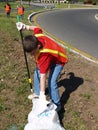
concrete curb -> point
(71, 48)
(96, 16)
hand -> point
(20, 26)
(42, 104)
(43, 101)
(42, 98)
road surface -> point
(79, 28)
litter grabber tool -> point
(25, 56)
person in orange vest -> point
(50, 58)
(7, 9)
(20, 11)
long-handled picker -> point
(25, 56)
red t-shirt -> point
(45, 60)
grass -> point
(14, 87)
(72, 6)
(77, 123)
(86, 95)
(2, 106)
(13, 5)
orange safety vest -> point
(20, 10)
(7, 8)
(53, 48)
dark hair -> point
(30, 43)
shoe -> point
(31, 96)
(58, 108)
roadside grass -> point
(75, 123)
(59, 6)
(72, 6)
(13, 5)
(14, 86)
(86, 96)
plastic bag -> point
(46, 120)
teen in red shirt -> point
(45, 59)
(49, 57)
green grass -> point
(12, 82)
(86, 96)
(14, 87)
(72, 6)
(13, 5)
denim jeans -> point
(52, 83)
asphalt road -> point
(79, 28)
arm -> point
(44, 63)
(35, 29)
(42, 82)
(31, 28)
(22, 26)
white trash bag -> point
(46, 120)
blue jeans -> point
(52, 83)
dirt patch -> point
(79, 89)
(78, 84)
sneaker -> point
(58, 108)
(31, 96)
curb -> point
(65, 45)
(96, 16)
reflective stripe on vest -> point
(55, 52)
(39, 35)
